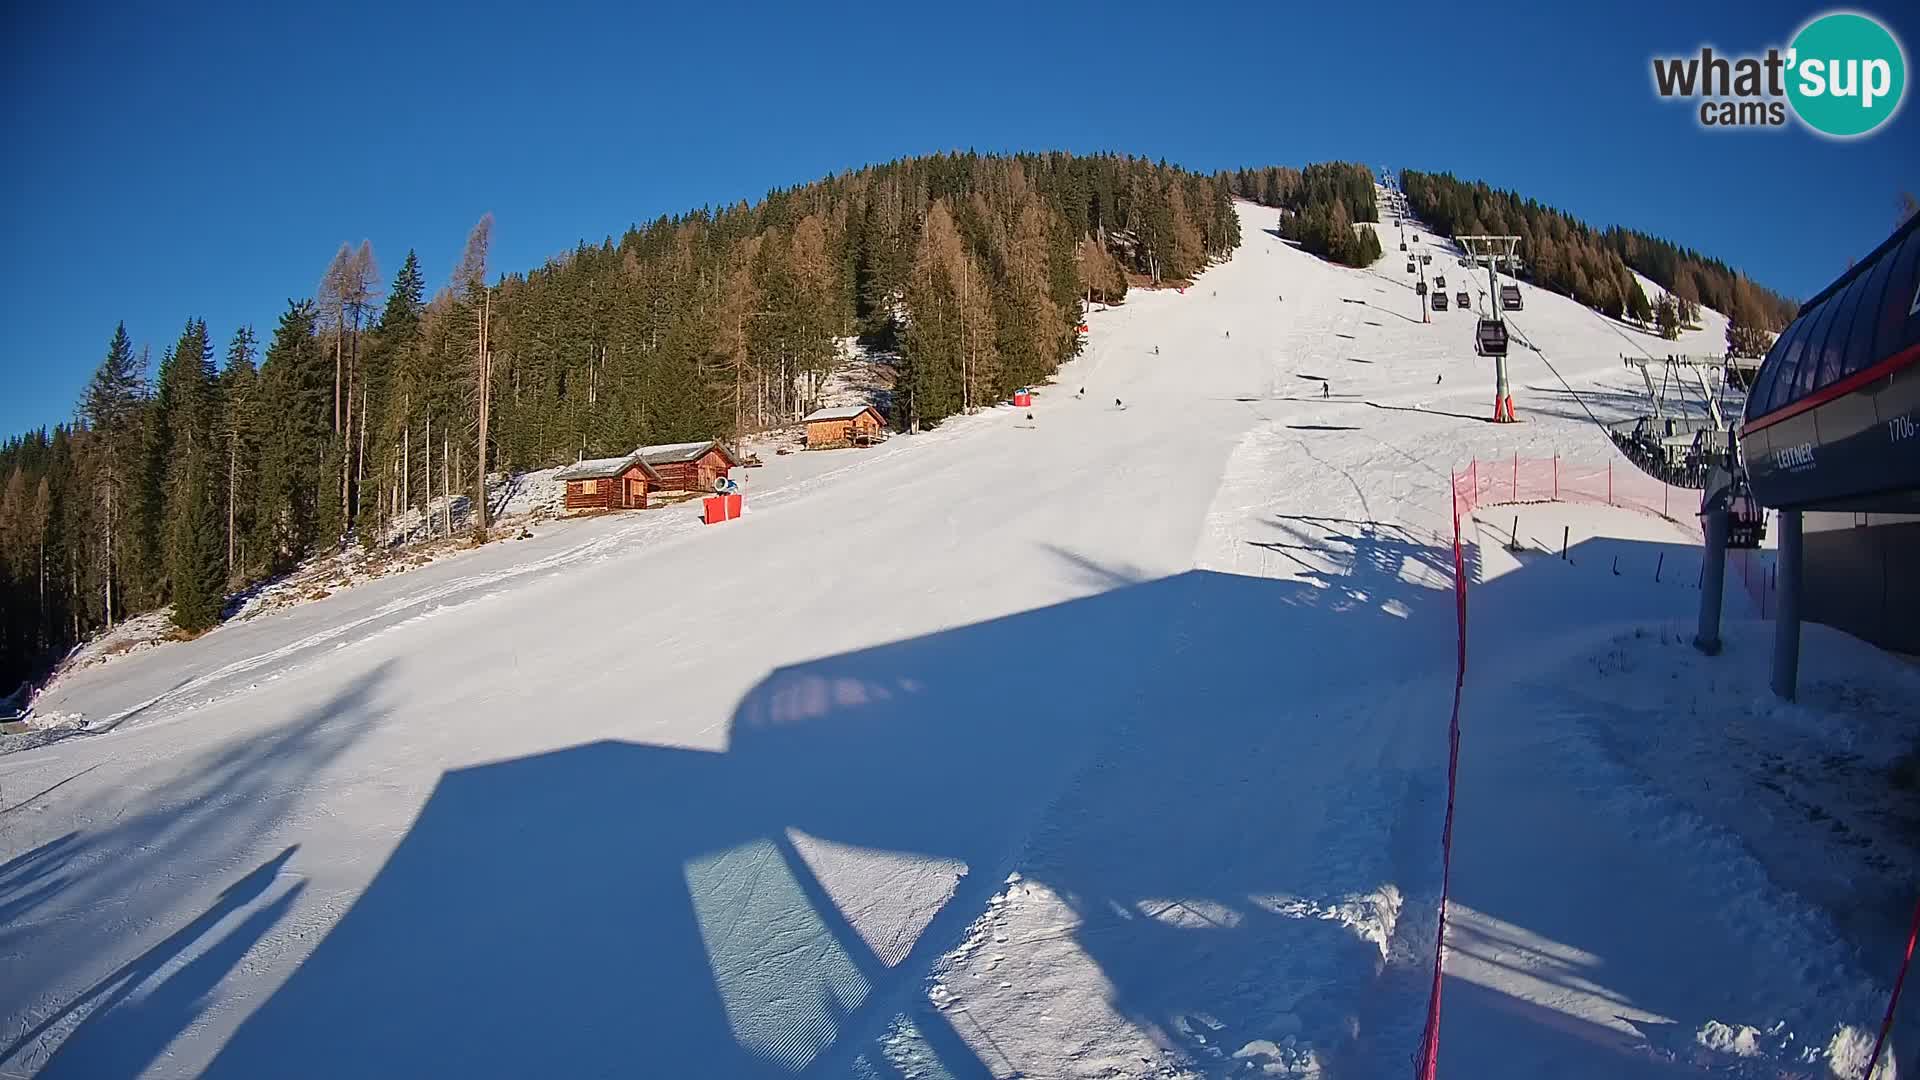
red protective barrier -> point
(714, 509)
(735, 505)
(1551, 479)
(1514, 479)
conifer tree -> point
(186, 409)
(196, 548)
(1638, 308)
(240, 432)
(110, 408)
(1666, 317)
(296, 376)
(389, 389)
(937, 340)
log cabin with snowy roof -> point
(853, 425)
(688, 466)
(616, 483)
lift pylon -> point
(1493, 249)
(1702, 369)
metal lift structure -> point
(1490, 337)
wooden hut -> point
(853, 425)
(618, 483)
(689, 466)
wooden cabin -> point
(620, 483)
(689, 466)
(853, 425)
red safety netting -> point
(1516, 479)
(1553, 479)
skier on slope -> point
(1326, 390)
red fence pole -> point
(1899, 980)
(1426, 1060)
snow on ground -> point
(130, 636)
(1667, 809)
(1106, 745)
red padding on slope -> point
(1899, 980)
(1427, 1060)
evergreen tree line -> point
(1322, 204)
(373, 404)
(1563, 254)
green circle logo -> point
(1846, 74)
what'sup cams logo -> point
(1843, 76)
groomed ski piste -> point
(1110, 743)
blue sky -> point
(172, 161)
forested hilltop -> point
(1322, 204)
(182, 478)
(1562, 253)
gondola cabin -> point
(1510, 298)
(1490, 338)
(688, 466)
(1439, 300)
(620, 483)
(853, 425)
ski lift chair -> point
(1490, 338)
(1746, 521)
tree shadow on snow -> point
(649, 910)
(222, 807)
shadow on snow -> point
(636, 909)
(617, 906)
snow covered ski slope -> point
(1110, 744)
